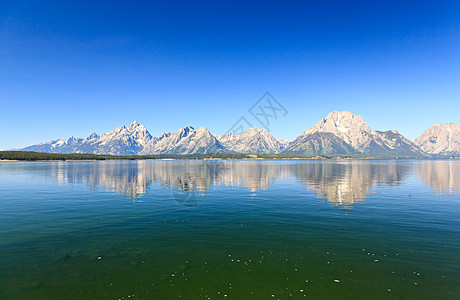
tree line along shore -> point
(41, 156)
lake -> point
(230, 229)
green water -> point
(371, 229)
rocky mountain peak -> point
(338, 115)
(228, 138)
(71, 139)
(93, 136)
(228, 135)
(203, 130)
(253, 140)
(349, 127)
(256, 131)
(186, 140)
(253, 130)
(344, 121)
(440, 139)
(186, 130)
(134, 125)
(340, 133)
(346, 133)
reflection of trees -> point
(442, 176)
(341, 182)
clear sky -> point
(74, 67)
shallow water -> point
(260, 229)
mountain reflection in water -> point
(340, 182)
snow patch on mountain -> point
(440, 139)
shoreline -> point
(12, 156)
(218, 159)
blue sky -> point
(74, 68)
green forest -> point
(40, 156)
(37, 156)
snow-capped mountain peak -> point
(340, 133)
(345, 133)
(186, 140)
(253, 140)
(93, 136)
(441, 139)
(123, 140)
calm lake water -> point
(264, 229)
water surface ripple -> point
(230, 229)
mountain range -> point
(340, 133)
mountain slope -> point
(186, 140)
(123, 140)
(342, 133)
(440, 139)
(253, 140)
(325, 143)
(399, 145)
